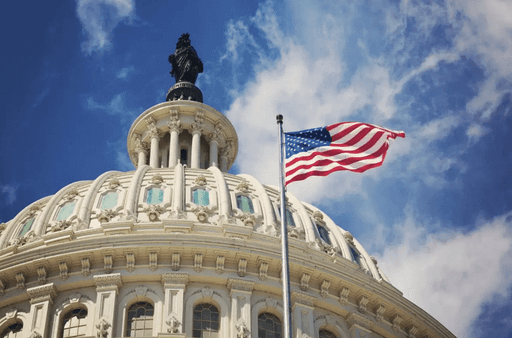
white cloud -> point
(450, 274)
(10, 191)
(99, 18)
(115, 107)
(124, 72)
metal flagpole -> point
(284, 238)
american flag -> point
(352, 146)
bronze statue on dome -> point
(186, 65)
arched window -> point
(26, 227)
(288, 217)
(269, 326)
(201, 196)
(356, 256)
(12, 331)
(66, 210)
(326, 334)
(205, 321)
(73, 323)
(155, 196)
(109, 200)
(324, 234)
(244, 203)
(183, 156)
(140, 320)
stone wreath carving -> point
(242, 330)
(102, 327)
(106, 215)
(248, 219)
(202, 213)
(60, 225)
(173, 324)
(153, 212)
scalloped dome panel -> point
(179, 200)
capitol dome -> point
(181, 248)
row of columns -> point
(241, 323)
(174, 147)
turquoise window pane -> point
(201, 197)
(244, 203)
(324, 234)
(109, 201)
(66, 211)
(155, 196)
(26, 227)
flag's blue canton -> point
(304, 140)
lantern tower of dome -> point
(183, 129)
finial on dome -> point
(186, 66)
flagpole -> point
(284, 238)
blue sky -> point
(437, 214)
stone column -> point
(141, 148)
(197, 128)
(174, 303)
(224, 153)
(174, 144)
(107, 289)
(213, 152)
(241, 291)
(154, 135)
(302, 315)
(214, 144)
(41, 298)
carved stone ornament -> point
(127, 215)
(198, 125)
(153, 212)
(243, 186)
(174, 123)
(2, 227)
(35, 334)
(411, 333)
(34, 208)
(318, 217)
(355, 318)
(217, 133)
(362, 303)
(71, 194)
(241, 330)
(344, 295)
(227, 149)
(200, 180)
(60, 225)
(202, 213)
(173, 324)
(348, 236)
(271, 302)
(207, 292)
(114, 183)
(248, 219)
(293, 233)
(379, 313)
(396, 323)
(304, 282)
(327, 248)
(263, 271)
(157, 179)
(102, 329)
(219, 264)
(106, 215)
(141, 290)
(324, 288)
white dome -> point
(203, 228)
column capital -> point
(42, 293)
(153, 131)
(174, 279)
(235, 284)
(197, 126)
(303, 299)
(108, 282)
